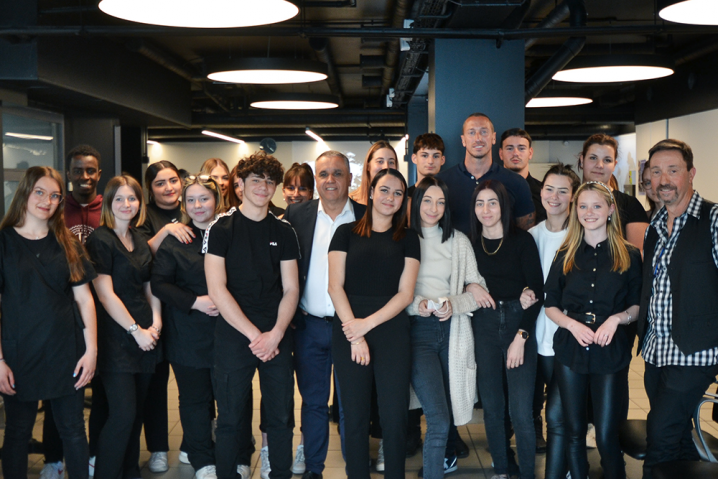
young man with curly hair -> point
(251, 268)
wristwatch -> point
(133, 328)
(523, 334)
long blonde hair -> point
(361, 195)
(618, 246)
(15, 217)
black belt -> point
(328, 319)
(587, 318)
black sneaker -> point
(462, 450)
(413, 445)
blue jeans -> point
(313, 364)
(494, 330)
(430, 379)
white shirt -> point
(316, 300)
(548, 243)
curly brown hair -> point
(261, 164)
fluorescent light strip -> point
(548, 102)
(293, 105)
(152, 142)
(313, 135)
(24, 136)
(222, 137)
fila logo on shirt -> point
(272, 243)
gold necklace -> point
(497, 249)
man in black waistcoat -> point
(678, 320)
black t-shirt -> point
(156, 218)
(629, 210)
(591, 287)
(374, 265)
(253, 251)
(535, 187)
(130, 270)
(514, 266)
(178, 279)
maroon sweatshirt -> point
(82, 220)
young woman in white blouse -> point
(559, 185)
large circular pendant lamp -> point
(201, 13)
(267, 71)
(614, 68)
(693, 12)
(296, 101)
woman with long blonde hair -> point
(380, 156)
(593, 288)
(218, 170)
(47, 351)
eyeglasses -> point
(198, 177)
(54, 198)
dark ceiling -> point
(89, 63)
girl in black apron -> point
(49, 343)
(129, 325)
(190, 315)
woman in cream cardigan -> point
(443, 367)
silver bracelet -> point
(630, 318)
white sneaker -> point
(264, 455)
(298, 466)
(183, 458)
(92, 466)
(158, 462)
(244, 471)
(207, 472)
(591, 437)
(53, 470)
(380, 457)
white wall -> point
(190, 156)
(699, 131)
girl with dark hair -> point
(218, 170)
(598, 162)
(49, 342)
(178, 280)
(373, 264)
(593, 287)
(298, 184)
(559, 185)
(235, 196)
(129, 324)
(655, 203)
(380, 156)
(164, 214)
(443, 370)
(508, 260)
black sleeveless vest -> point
(694, 285)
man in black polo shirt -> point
(251, 268)
(478, 137)
(516, 152)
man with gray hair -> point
(315, 222)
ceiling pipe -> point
(169, 62)
(647, 48)
(517, 16)
(556, 16)
(565, 54)
(324, 54)
(392, 47)
(696, 50)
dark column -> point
(134, 150)
(417, 123)
(468, 76)
(98, 133)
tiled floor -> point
(476, 466)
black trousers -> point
(196, 403)
(155, 410)
(51, 441)
(99, 413)
(607, 393)
(232, 388)
(20, 419)
(390, 366)
(674, 393)
(556, 438)
(118, 451)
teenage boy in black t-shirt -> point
(251, 268)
